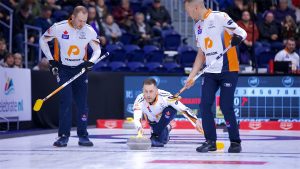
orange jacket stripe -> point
(232, 56)
(56, 50)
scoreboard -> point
(256, 97)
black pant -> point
(160, 129)
(77, 90)
(226, 81)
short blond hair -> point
(195, 2)
(79, 9)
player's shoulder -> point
(164, 93)
(295, 54)
(90, 28)
(61, 23)
(282, 52)
(220, 15)
(139, 98)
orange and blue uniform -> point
(159, 114)
(213, 35)
(70, 46)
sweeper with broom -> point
(69, 62)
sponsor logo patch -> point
(65, 35)
(199, 30)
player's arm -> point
(179, 106)
(137, 116)
(239, 34)
(187, 113)
(95, 45)
(199, 61)
(137, 113)
(45, 38)
(49, 35)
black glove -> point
(53, 67)
(87, 65)
(236, 40)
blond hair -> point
(79, 9)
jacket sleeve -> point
(231, 26)
(95, 45)
(49, 35)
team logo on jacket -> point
(211, 25)
(208, 43)
(227, 124)
(199, 30)
(65, 35)
(161, 105)
(148, 107)
(84, 117)
(82, 35)
(167, 115)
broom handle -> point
(65, 84)
(203, 70)
(83, 70)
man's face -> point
(150, 92)
(47, 14)
(10, 61)
(44, 64)
(2, 46)
(92, 13)
(80, 20)
(139, 18)
(51, 1)
(238, 2)
(156, 5)
(269, 17)
(193, 10)
(109, 20)
(283, 4)
(18, 59)
(290, 45)
(190, 10)
(101, 3)
(125, 4)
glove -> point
(53, 67)
(189, 83)
(87, 65)
(236, 40)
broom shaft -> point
(65, 84)
(83, 70)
